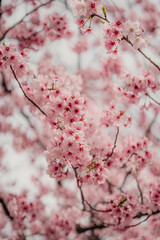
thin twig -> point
(102, 226)
(97, 210)
(150, 125)
(5, 208)
(80, 188)
(34, 129)
(134, 225)
(25, 93)
(139, 189)
(152, 99)
(124, 180)
(4, 85)
(115, 142)
(103, 18)
(139, 50)
(0, 9)
(110, 185)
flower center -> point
(93, 5)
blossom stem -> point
(115, 142)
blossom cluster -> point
(113, 117)
(122, 209)
(56, 26)
(117, 31)
(135, 86)
(68, 149)
(24, 214)
(10, 57)
(136, 154)
(154, 195)
(84, 8)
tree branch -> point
(139, 189)
(139, 50)
(150, 125)
(115, 142)
(80, 188)
(82, 230)
(4, 85)
(124, 180)
(6, 209)
(97, 210)
(152, 99)
(14, 74)
(101, 226)
(134, 225)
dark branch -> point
(79, 185)
(82, 230)
(124, 180)
(139, 189)
(34, 129)
(134, 225)
(25, 93)
(152, 99)
(4, 85)
(0, 9)
(150, 125)
(115, 142)
(139, 50)
(97, 210)
(6, 209)
(102, 226)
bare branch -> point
(139, 189)
(152, 99)
(139, 50)
(96, 15)
(150, 125)
(5, 208)
(97, 210)
(82, 230)
(115, 142)
(102, 226)
(0, 9)
(4, 85)
(79, 185)
(25, 93)
(124, 180)
(134, 225)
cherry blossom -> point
(79, 120)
